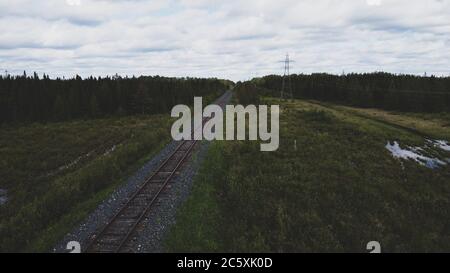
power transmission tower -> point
(286, 86)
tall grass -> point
(44, 207)
(334, 191)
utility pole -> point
(286, 87)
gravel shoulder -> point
(109, 207)
(154, 228)
(151, 231)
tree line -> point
(246, 93)
(34, 99)
(379, 90)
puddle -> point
(417, 154)
(442, 144)
(112, 149)
(69, 165)
(80, 158)
(3, 197)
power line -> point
(286, 86)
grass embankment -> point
(435, 125)
(338, 189)
(57, 173)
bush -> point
(246, 93)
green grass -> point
(46, 201)
(337, 191)
(204, 205)
(433, 125)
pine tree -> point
(141, 101)
(59, 109)
(94, 109)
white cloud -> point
(231, 39)
(73, 2)
(374, 2)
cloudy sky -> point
(232, 39)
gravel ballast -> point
(162, 216)
(109, 207)
(150, 233)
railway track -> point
(116, 235)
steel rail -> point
(122, 240)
